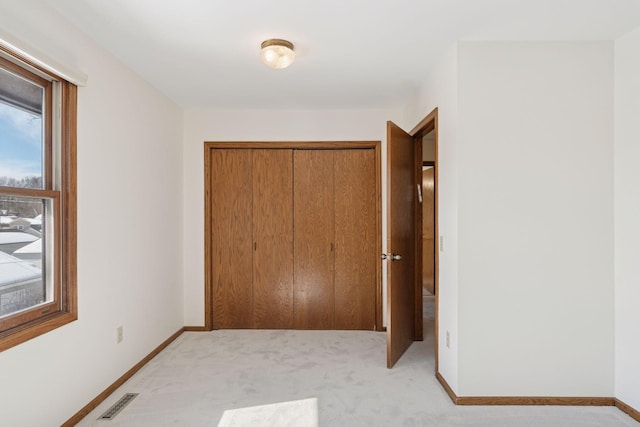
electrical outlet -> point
(120, 334)
(448, 340)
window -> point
(37, 201)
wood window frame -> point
(319, 145)
(63, 309)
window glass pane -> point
(23, 237)
(21, 132)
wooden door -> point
(232, 244)
(401, 243)
(273, 239)
(356, 253)
(314, 292)
(428, 233)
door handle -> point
(396, 257)
(384, 257)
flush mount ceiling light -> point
(277, 53)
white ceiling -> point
(350, 53)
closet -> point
(293, 238)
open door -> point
(401, 244)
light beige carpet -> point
(200, 375)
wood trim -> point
(534, 401)
(69, 189)
(12, 55)
(379, 314)
(318, 145)
(436, 234)
(34, 329)
(208, 241)
(426, 125)
(78, 416)
(309, 145)
(447, 388)
(196, 329)
(387, 308)
(30, 192)
(20, 66)
(633, 413)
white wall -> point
(258, 125)
(129, 231)
(526, 211)
(535, 168)
(440, 90)
(627, 212)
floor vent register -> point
(118, 406)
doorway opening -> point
(425, 135)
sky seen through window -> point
(20, 143)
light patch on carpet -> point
(296, 413)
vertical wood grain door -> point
(401, 245)
(273, 238)
(232, 247)
(293, 237)
(356, 252)
(314, 217)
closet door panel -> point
(356, 228)
(232, 248)
(273, 239)
(314, 306)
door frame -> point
(305, 145)
(426, 125)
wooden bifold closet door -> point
(356, 236)
(314, 240)
(273, 239)
(294, 238)
(232, 245)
